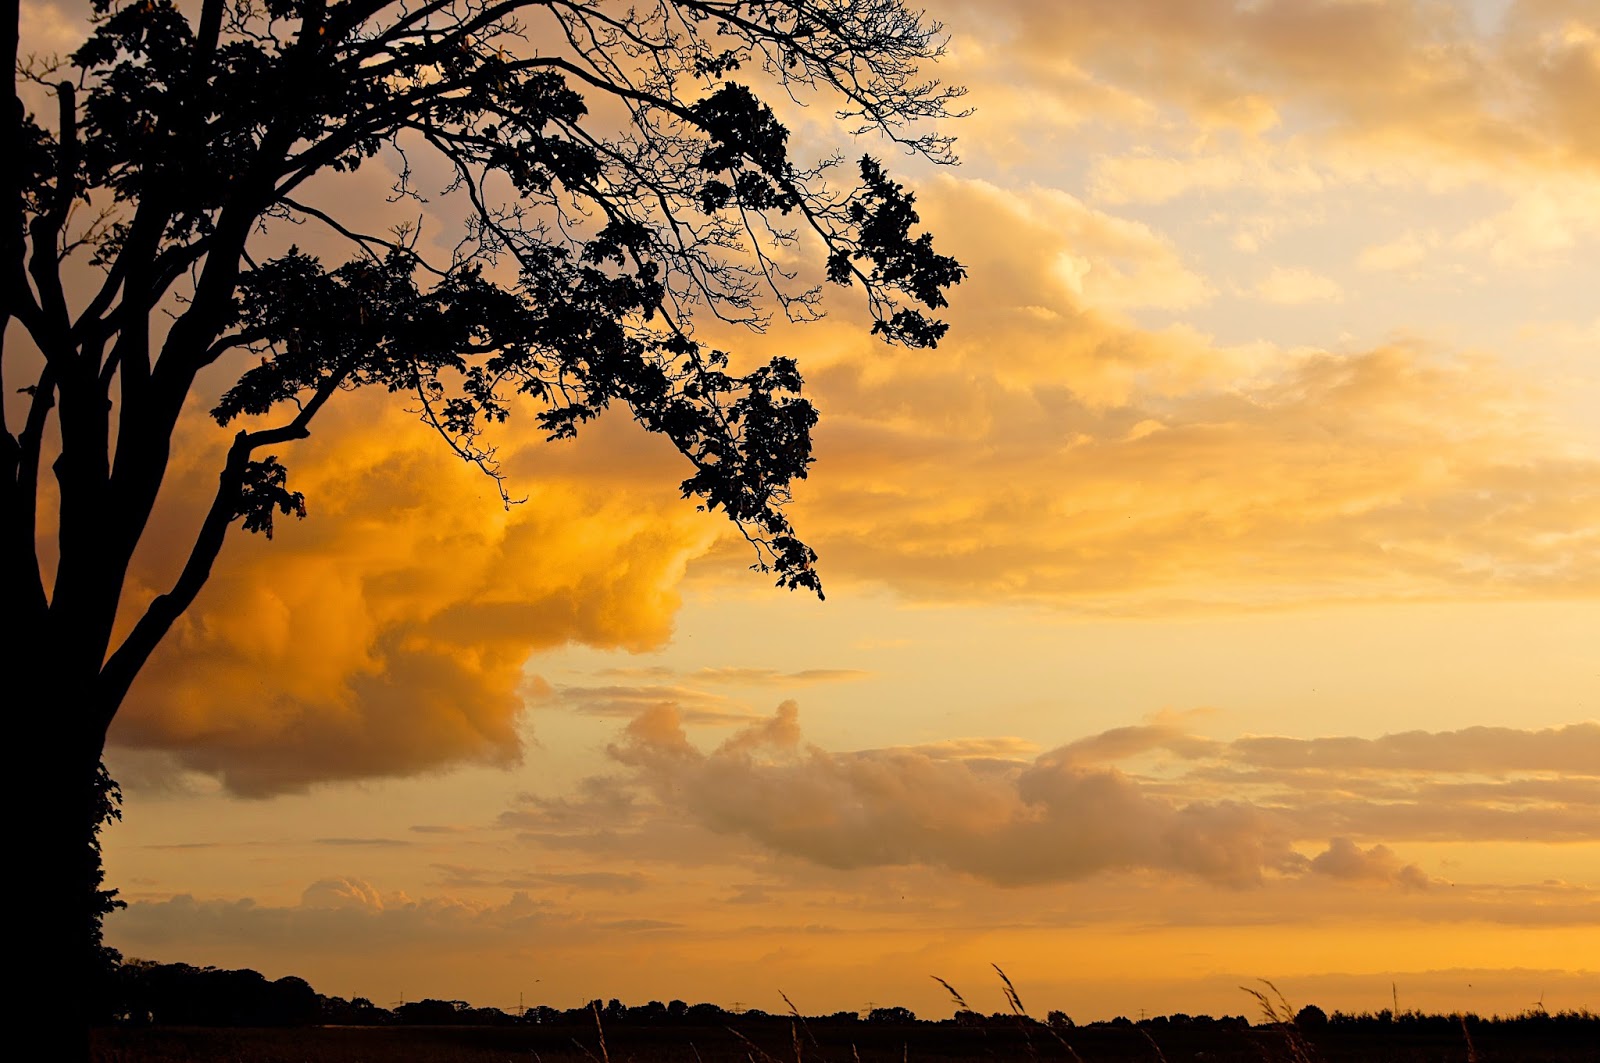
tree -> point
(1311, 1017)
(895, 1016)
(620, 173)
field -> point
(779, 1041)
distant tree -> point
(292, 1002)
(1059, 1019)
(654, 1011)
(891, 1016)
(431, 1012)
(181, 994)
(358, 1011)
(677, 1009)
(133, 262)
(1311, 1017)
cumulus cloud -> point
(1150, 798)
(386, 633)
(1050, 820)
(342, 893)
(1344, 859)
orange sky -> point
(1219, 601)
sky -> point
(1218, 602)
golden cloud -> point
(1049, 451)
(1053, 451)
(1410, 75)
(386, 634)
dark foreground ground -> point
(774, 1042)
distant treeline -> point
(178, 994)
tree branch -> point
(124, 664)
(361, 240)
(45, 231)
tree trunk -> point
(57, 792)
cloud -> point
(1048, 821)
(1573, 749)
(1053, 453)
(1050, 451)
(386, 633)
(1293, 286)
(341, 893)
(1150, 798)
(1403, 252)
(1347, 861)
(1545, 221)
(624, 702)
(1405, 76)
(1095, 466)
(50, 31)
(732, 676)
(334, 916)
(456, 876)
(1147, 178)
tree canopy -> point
(622, 175)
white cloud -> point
(1294, 285)
(1403, 252)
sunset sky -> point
(1220, 601)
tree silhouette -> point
(620, 174)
